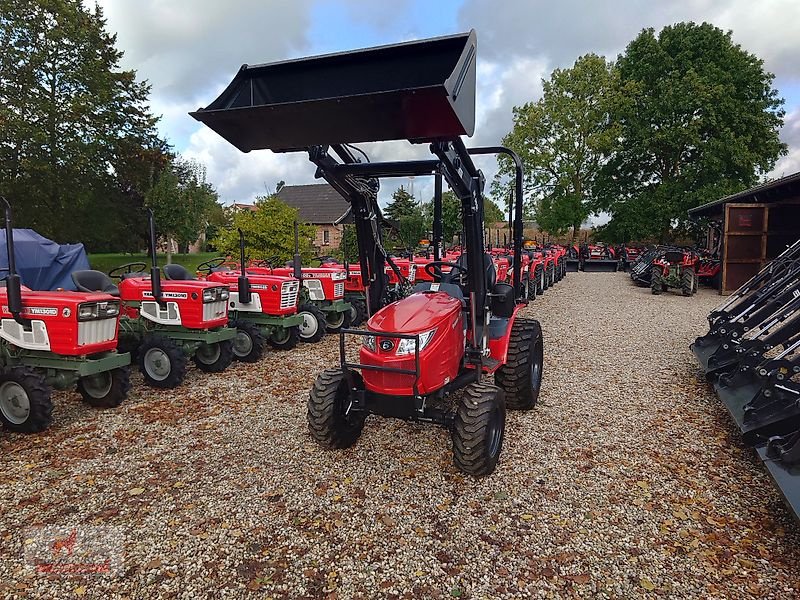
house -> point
(322, 206)
(752, 227)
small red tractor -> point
(262, 308)
(674, 268)
(165, 323)
(709, 270)
(458, 351)
(598, 258)
(55, 339)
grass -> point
(106, 262)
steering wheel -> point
(438, 264)
(122, 270)
(209, 265)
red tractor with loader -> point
(55, 339)
(674, 268)
(458, 351)
(165, 323)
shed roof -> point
(764, 193)
(316, 203)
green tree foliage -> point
(181, 200)
(492, 212)
(698, 120)
(402, 205)
(562, 139)
(268, 232)
(349, 244)
(75, 130)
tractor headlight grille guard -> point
(368, 341)
(90, 311)
(338, 290)
(289, 291)
(339, 276)
(215, 294)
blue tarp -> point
(41, 263)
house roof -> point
(316, 203)
(770, 191)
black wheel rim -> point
(495, 432)
(536, 366)
(242, 343)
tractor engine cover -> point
(440, 352)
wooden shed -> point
(753, 227)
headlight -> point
(90, 311)
(339, 276)
(368, 341)
(406, 346)
(107, 309)
(215, 294)
(87, 312)
(224, 294)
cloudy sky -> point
(190, 49)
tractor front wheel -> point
(478, 429)
(526, 288)
(541, 283)
(656, 281)
(521, 376)
(107, 389)
(358, 311)
(214, 358)
(313, 327)
(25, 404)
(687, 281)
(532, 288)
(161, 361)
(249, 343)
(335, 321)
(284, 338)
(330, 421)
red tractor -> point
(457, 352)
(55, 339)
(262, 308)
(674, 268)
(165, 323)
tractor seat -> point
(451, 289)
(94, 281)
(178, 273)
(490, 274)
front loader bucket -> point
(419, 91)
(780, 456)
(599, 265)
(572, 265)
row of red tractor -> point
(161, 318)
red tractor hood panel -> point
(418, 313)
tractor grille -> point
(338, 289)
(289, 293)
(214, 310)
(97, 331)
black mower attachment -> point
(751, 354)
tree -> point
(492, 212)
(698, 119)
(563, 139)
(268, 232)
(181, 199)
(402, 205)
(69, 118)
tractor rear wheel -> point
(107, 389)
(521, 376)
(687, 281)
(478, 429)
(656, 281)
(284, 338)
(161, 361)
(313, 326)
(249, 343)
(328, 403)
(526, 288)
(214, 358)
(358, 311)
(541, 283)
(25, 404)
(335, 321)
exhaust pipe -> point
(244, 283)
(13, 283)
(296, 261)
(155, 272)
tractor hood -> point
(418, 313)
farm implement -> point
(456, 352)
(751, 354)
(55, 339)
(165, 323)
(598, 258)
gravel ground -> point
(628, 480)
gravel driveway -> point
(628, 480)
